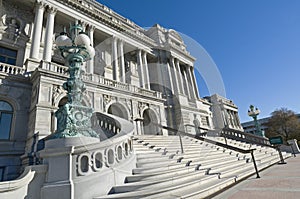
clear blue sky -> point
(254, 43)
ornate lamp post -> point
(73, 118)
(254, 113)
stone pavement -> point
(280, 181)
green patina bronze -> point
(73, 118)
(254, 112)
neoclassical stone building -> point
(143, 76)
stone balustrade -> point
(54, 67)
(11, 69)
(110, 152)
(98, 79)
(121, 86)
(244, 137)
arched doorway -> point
(150, 123)
(118, 110)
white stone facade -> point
(144, 76)
(225, 113)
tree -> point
(284, 122)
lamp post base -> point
(74, 121)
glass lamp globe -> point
(82, 40)
(91, 51)
(63, 40)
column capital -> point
(51, 10)
(114, 37)
(144, 53)
(91, 28)
(121, 41)
(172, 58)
(40, 4)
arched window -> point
(6, 114)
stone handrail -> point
(244, 137)
(13, 186)
(108, 153)
(11, 69)
(105, 124)
(119, 85)
(98, 79)
(97, 156)
(54, 67)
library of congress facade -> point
(145, 77)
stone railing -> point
(244, 137)
(11, 69)
(98, 79)
(20, 187)
(57, 68)
(119, 85)
(92, 162)
(105, 125)
(110, 152)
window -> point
(6, 113)
(1, 173)
(8, 56)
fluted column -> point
(122, 61)
(141, 69)
(191, 83)
(49, 34)
(194, 83)
(90, 63)
(147, 81)
(179, 77)
(186, 83)
(37, 30)
(115, 59)
(169, 74)
(175, 75)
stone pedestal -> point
(58, 155)
(294, 145)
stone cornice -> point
(106, 16)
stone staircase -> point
(163, 171)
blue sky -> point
(255, 44)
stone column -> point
(49, 34)
(176, 83)
(194, 82)
(140, 68)
(180, 83)
(169, 74)
(90, 63)
(37, 30)
(115, 60)
(191, 83)
(122, 61)
(186, 83)
(147, 81)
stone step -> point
(175, 156)
(204, 161)
(193, 181)
(182, 158)
(195, 191)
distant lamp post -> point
(254, 113)
(73, 118)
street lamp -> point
(254, 113)
(73, 118)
